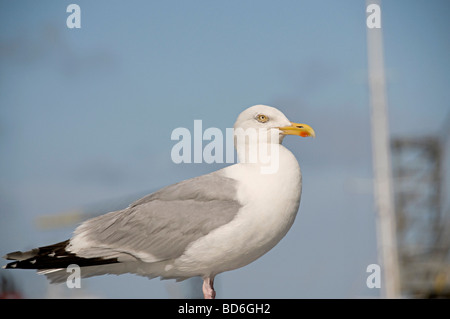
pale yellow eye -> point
(262, 118)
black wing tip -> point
(51, 257)
(10, 265)
(38, 252)
(20, 255)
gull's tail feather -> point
(60, 275)
(53, 261)
(52, 258)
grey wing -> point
(161, 225)
(213, 186)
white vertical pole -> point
(383, 190)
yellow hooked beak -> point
(303, 130)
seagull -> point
(202, 226)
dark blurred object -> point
(8, 289)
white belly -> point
(270, 204)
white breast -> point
(270, 204)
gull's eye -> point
(262, 118)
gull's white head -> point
(258, 133)
(271, 122)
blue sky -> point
(86, 117)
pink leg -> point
(208, 288)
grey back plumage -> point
(160, 226)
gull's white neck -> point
(275, 172)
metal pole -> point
(386, 225)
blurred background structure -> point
(423, 219)
(86, 117)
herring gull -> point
(198, 227)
